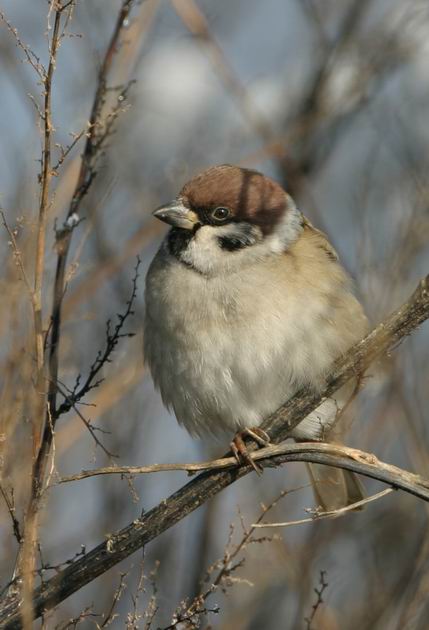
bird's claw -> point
(240, 450)
(260, 436)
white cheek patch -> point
(205, 253)
(212, 251)
(286, 231)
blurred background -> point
(331, 98)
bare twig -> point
(87, 423)
(31, 57)
(317, 515)
(64, 152)
(10, 504)
(18, 257)
(133, 616)
(226, 567)
(323, 585)
(111, 615)
(112, 339)
(72, 624)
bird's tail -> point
(334, 488)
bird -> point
(246, 303)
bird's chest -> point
(231, 349)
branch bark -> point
(25, 563)
(385, 337)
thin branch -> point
(110, 616)
(31, 57)
(190, 613)
(92, 147)
(317, 516)
(187, 499)
(18, 257)
(53, 450)
(10, 504)
(323, 585)
(104, 357)
(70, 401)
(65, 151)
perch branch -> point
(273, 455)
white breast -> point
(225, 352)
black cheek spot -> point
(230, 244)
(234, 243)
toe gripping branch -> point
(240, 450)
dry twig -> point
(317, 515)
(323, 585)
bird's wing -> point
(323, 239)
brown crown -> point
(250, 195)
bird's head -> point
(227, 217)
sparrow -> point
(246, 303)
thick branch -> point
(108, 553)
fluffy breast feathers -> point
(226, 351)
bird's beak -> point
(177, 215)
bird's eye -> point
(221, 213)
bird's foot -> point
(240, 450)
(260, 436)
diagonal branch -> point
(385, 337)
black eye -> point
(221, 213)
